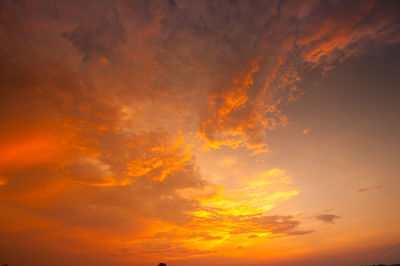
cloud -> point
(304, 232)
(327, 218)
(241, 74)
(368, 189)
(105, 103)
(251, 102)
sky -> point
(199, 132)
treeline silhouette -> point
(383, 265)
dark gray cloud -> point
(327, 218)
(100, 39)
(368, 189)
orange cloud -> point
(117, 93)
(160, 162)
(222, 128)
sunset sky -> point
(199, 133)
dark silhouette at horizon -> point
(383, 265)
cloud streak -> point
(368, 189)
(327, 218)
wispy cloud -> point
(368, 189)
(327, 218)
